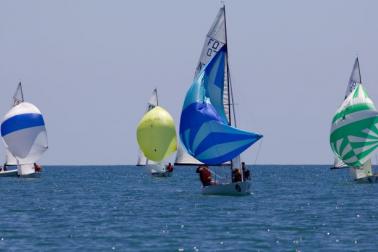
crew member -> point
(205, 175)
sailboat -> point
(208, 121)
(24, 134)
(152, 103)
(354, 130)
(156, 136)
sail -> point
(362, 172)
(215, 40)
(204, 129)
(183, 158)
(338, 163)
(24, 133)
(354, 131)
(354, 79)
(9, 158)
(152, 103)
(156, 134)
(18, 96)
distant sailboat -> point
(156, 136)
(354, 79)
(152, 103)
(354, 131)
(24, 134)
(208, 122)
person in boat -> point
(5, 167)
(236, 175)
(169, 167)
(37, 167)
(246, 172)
(205, 175)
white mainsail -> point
(354, 79)
(152, 103)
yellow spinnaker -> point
(156, 134)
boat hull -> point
(158, 170)
(231, 189)
(10, 173)
(368, 179)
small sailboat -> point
(208, 121)
(156, 136)
(24, 134)
(354, 130)
(152, 103)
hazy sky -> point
(90, 66)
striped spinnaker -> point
(204, 129)
(354, 131)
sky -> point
(90, 67)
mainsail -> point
(354, 131)
(354, 79)
(204, 127)
(152, 103)
(216, 39)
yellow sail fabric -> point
(156, 134)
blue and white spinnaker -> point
(24, 133)
(204, 127)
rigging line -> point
(258, 151)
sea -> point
(124, 208)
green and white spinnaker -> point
(354, 132)
(156, 134)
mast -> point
(227, 69)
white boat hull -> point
(158, 170)
(10, 173)
(232, 189)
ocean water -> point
(123, 208)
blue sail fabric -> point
(19, 122)
(204, 130)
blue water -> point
(122, 208)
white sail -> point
(354, 79)
(24, 133)
(152, 103)
(183, 158)
(25, 169)
(18, 96)
(9, 158)
(338, 163)
(363, 171)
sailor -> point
(246, 172)
(169, 167)
(205, 175)
(236, 175)
(37, 168)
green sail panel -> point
(354, 131)
(156, 134)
